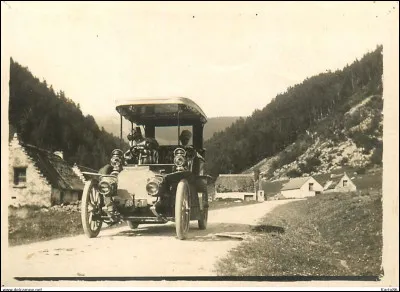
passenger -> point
(185, 137)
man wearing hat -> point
(185, 137)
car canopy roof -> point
(161, 111)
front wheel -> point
(182, 209)
(91, 209)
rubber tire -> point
(202, 222)
(132, 225)
(203, 219)
(84, 212)
(182, 225)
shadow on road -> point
(214, 231)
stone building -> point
(39, 177)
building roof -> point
(295, 183)
(332, 182)
(56, 170)
(84, 168)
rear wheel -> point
(182, 209)
(203, 219)
(203, 212)
(91, 209)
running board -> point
(150, 220)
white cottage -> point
(341, 183)
(301, 187)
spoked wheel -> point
(182, 209)
(203, 213)
(91, 209)
(132, 225)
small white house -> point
(340, 183)
(301, 187)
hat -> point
(134, 134)
(186, 134)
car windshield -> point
(169, 135)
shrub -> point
(361, 170)
(362, 140)
(310, 165)
(344, 161)
(293, 173)
(376, 157)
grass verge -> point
(29, 224)
(327, 235)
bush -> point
(364, 141)
(361, 170)
(376, 157)
(293, 173)
(310, 165)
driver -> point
(136, 139)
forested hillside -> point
(52, 121)
(344, 106)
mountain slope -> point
(340, 106)
(358, 145)
(52, 121)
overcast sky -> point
(230, 58)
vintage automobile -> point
(151, 183)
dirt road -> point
(150, 250)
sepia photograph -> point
(199, 144)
